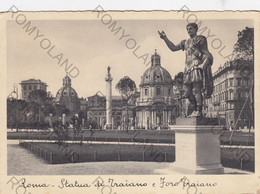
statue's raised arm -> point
(170, 45)
(162, 35)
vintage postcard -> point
(129, 102)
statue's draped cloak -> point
(196, 50)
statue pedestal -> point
(197, 146)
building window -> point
(169, 92)
(24, 87)
(145, 91)
(247, 82)
(242, 82)
(158, 91)
(239, 95)
(30, 87)
(35, 87)
(238, 82)
(231, 95)
(231, 82)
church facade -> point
(154, 107)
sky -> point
(90, 46)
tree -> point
(37, 99)
(127, 88)
(40, 103)
(244, 47)
(15, 108)
(179, 93)
(178, 85)
(244, 50)
(60, 109)
(37, 96)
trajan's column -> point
(108, 79)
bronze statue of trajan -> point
(198, 80)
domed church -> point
(67, 96)
(154, 107)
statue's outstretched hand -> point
(162, 35)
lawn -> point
(56, 153)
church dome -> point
(66, 93)
(156, 74)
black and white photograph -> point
(114, 94)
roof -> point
(33, 81)
(66, 93)
(156, 74)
